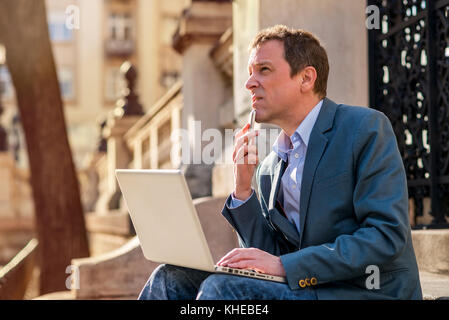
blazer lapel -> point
(317, 144)
(315, 150)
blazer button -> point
(308, 282)
(302, 283)
(313, 281)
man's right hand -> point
(245, 161)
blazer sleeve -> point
(380, 202)
(251, 224)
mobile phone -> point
(252, 118)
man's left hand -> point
(255, 259)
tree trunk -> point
(59, 214)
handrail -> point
(163, 101)
(15, 276)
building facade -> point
(90, 41)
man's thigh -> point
(230, 287)
(173, 283)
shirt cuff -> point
(235, 203)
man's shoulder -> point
(351, 113)
(356, 118)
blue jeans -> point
(168, 282)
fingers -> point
(253, 259)
(238, 255)
(246, 155)
(242, 138)
(242, 131)
(247, 264)
(228, 255)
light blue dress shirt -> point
(294, 149)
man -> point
(331, 211)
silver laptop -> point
(166, 221)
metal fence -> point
(409, 82)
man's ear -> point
(308, 78)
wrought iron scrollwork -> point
(409, 82)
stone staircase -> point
(122, 273)
(432, 253)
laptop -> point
(167, 224)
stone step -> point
(434, 285)
(432, 250)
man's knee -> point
(155, 286)
(162, 271)
(161, 282)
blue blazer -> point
(353, 211)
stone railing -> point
(149, 139)
(15, 276)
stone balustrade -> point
(148, 139)
(16, 275)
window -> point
(57, 28)
(120, 41)
(66, 83)
(120, 26)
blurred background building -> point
(189, 58)
(88, 61)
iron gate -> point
(409, 82)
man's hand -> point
(253, 258)
(245, 161)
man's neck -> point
(297, 117)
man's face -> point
(273, 91)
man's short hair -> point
(301, 49)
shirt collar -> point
(284, 143)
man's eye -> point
(264, 69)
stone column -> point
(148, 15)
(200, 27)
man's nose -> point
(251, 83)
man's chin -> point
(264, 120)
